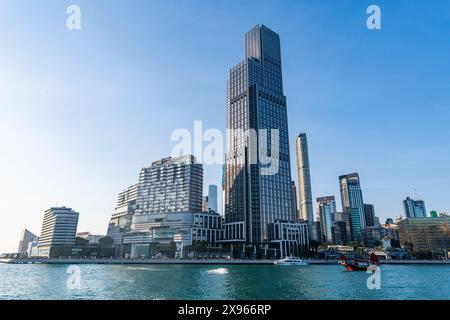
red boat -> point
(357, 265)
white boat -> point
(291, 262)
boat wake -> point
(219, 271)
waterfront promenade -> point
(193, 261)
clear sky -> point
(82, 111)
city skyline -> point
(80, 159)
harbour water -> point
(226, 282)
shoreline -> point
(199, 262)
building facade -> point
(353, 204)
(212, 198)
(168, 210)
(58, 232)
(304, 179)
(171, 185)
(414, 208)
(345, 218)
(425, 233)
(122, 217)
(164, 229)
(295, 211)
(258, 177)
(326, 209)
(339, 233)
(25, 239)
(369, 213)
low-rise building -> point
(425, 233)
(169, 229)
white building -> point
(59, 230)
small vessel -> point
(291, 262)
(355, 265)
(358, 265)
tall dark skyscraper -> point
(369, 212)
(353, 204)
(254, 198)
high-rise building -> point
(295, 212)
(316, 231)
(369, 213)
(205, 206)
(25, 238)
(258, 175)
(58, 233)
(171, 185)
(167, 206)
(339, 232)
(345, 217)
(212, 198)
(353, 204)
(433, 214)
(124, 211)
(414, 208)
(326, 209)
(304, 178)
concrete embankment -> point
(188, 261)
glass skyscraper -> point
(414, 208)
(353, 204)
(212, 198)
(254, 199)
(327, 213)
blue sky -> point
(82, 111)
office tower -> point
(433, 214)
(316, 231)
(124, 211)
(377, 221)
(171, 185)
(58, 233)
(304, 179)
(353, 204)
(345, 218)
(326, 209)
(369, 212)
(339, 233)
(205, 206)
(295, 212)
(25, 238)
(257, 193)
(414, 208)
(389, 221)
(212, 198)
